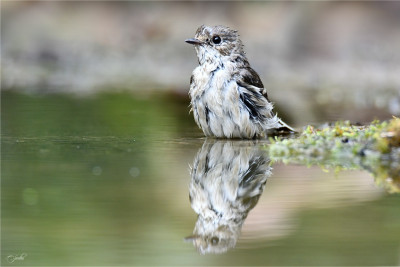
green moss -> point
(375, 148)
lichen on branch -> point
(374, 147)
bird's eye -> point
(216, 39)
(214, 240)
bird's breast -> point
(210, 77)
(216, 104)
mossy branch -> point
(375, 148)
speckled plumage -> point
(228, 99)
(227, 181)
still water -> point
(113, 179)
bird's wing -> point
(253, 99)
(248, 76)
(250, 80)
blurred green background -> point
(97, 139)
(317, 59)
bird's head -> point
(217, 42)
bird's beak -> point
(193, 41)
(191, 238)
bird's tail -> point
(283, 128)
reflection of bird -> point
(227, 180)
(228, 98)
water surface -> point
(117, 179)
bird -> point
(227, 96)
(227, 180)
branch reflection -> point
(227, 179)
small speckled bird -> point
(228, 99)
(228, 178)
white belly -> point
(217, 107)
